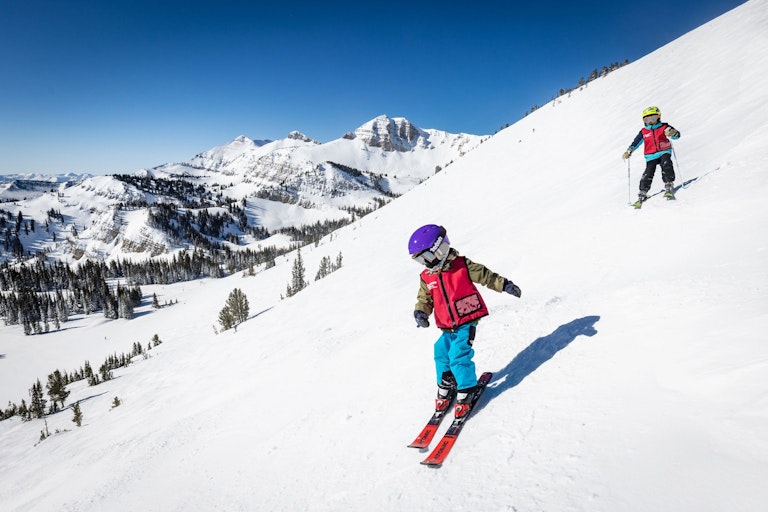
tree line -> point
(41, 296)
(39, 406)
(593, 75)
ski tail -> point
(425, 437)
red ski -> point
(425, 437)
(438, 455)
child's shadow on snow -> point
(536, 354)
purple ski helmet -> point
(429, 245)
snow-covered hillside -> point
(19, 187)
(630, 376)
(287, 183)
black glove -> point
(512, 288)
(422, 319)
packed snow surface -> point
(630, 376)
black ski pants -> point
(667, 171)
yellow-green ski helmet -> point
(652, 111)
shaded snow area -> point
(630, 376)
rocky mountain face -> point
(240, 194)
(391, 134)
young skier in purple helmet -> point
(447, 289)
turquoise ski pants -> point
(454, 352)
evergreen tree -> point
(92, 378)
(57, 388)
(235, 310)
(37, 400)
(124, 305)
(24, 412)
(110, 307)
(78, 415)
(10, 412)
(325, 268)
(337, 266)
(238, 304)
(298, 281)
(105, 372)
(44, 434)
(226, 319)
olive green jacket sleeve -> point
(424, 299)
(483, 275)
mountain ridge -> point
(327, 182)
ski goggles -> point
(430, 258)
(427, 258)
(653, 119)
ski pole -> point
(677, 164)
(629, 186)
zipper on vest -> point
(656, 137)
(447, 300)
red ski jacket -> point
(655, 140)
(454, 295)
(656, 143)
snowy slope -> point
(630, 376)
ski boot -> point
(463, 402)
(446, 392)
(641, 198)
(669, 190)
(444, 398)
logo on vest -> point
(468, 305)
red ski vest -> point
(655, 140)
(454, 295)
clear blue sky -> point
(112, 86)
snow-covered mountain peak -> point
(391, 134)
(242, 139)
(326, 180)
(247, 141)
(296, 135)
